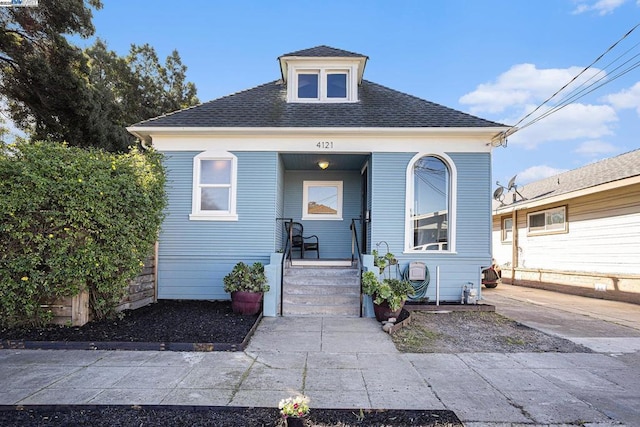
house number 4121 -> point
(325, 144)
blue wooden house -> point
(356, 164)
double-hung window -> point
(214, 187)
(548, 221)
(507, 229)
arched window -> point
(430, 215)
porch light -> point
(323, 164)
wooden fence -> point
(75, 310)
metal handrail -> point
(286, 253)
(355, 245)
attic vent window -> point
(323, 85)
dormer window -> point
(336, 85)
(321, 85)
(308, 85)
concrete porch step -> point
(321, 291)
(321, 311)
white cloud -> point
(601, 7)
(523, 88)
(626, 98)
(535, 173)
(595, 148)
(573, 121)
(524, 84)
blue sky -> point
(497, 59)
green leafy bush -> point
(73, 220)
(246, 278)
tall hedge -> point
(74, 219)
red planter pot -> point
(383, 311)
(246, 303)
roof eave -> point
(530, 204)
(145, 132)
(284, 60)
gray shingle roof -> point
(266, 106)
(324, 51)
(609, 170)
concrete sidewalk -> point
(341, 363)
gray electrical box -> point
(417, 271)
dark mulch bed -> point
(167, 321)
(215, 416)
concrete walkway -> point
(351, 363)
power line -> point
(574, 94)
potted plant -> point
(246, 284)
(389, 295)
(294, 410)
(382, 262)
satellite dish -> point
(498, 194)
(512, 182)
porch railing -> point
(355, 250)
(286, 253)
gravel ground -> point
(476, 332)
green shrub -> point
(246, 278)
(73, 220)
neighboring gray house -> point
(323, 147)
(576, 232)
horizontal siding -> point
(193, 256)
(279, 236)
(603, 237)
(474, 203)
(388, 194)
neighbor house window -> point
(322, 200)
(430, 220)
(214, 187)
(548, 221)
(322, 85)
(507, 229)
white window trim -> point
(546, 230)
(196, 213)
(323, 71)
(453, 208)
(305, 200)
(504, 230)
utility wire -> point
(569, 101)
(570, 98)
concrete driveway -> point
(601, 325)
